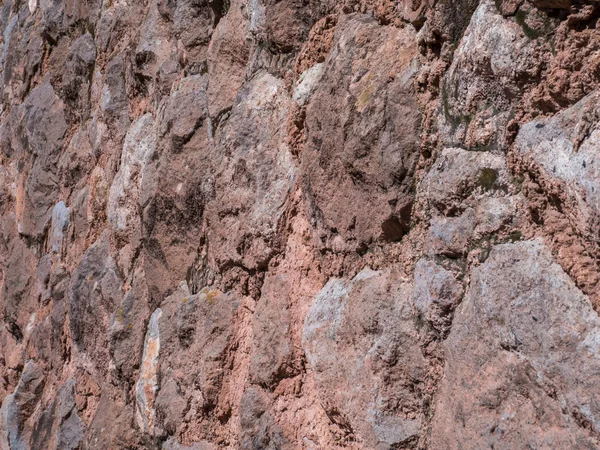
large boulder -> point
(362, 132)
(361, 341)
(521, 359)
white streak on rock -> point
(147, 385)
(60, 221)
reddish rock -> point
(298, 224)
(361, 341)
(361, 141)
(521, 358)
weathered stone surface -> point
(196, 333)
(307, 84)
(18, 291)
(361, 341)
(298, 224)
(60, 422)
(362, 128)
(18, 407)
(96, 289)
(458, 175)
(493, 64)
(228, 54)
(155, 54)
(249, 187)
(125, 192)
(185, 111)
(172, 444)
(273, 350)
(113, 95)
(41, 132)
(473, 199)
(123, 429)
(178, 183)
(147, 385)
(60, 222)
(437, 291)
(74, 62)
(563, 149)
(521, 358)
(258, 427)
(128, 329)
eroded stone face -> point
(522, 358)
(460, 178)
(563, 149)
(361, 341)
(437, 291)
(298, 224)
(253, 174)
(95, 290)
(473, 199)
(60, 222)
(494, 62)
(362, 126)
(62, 419)
(147, 385)
(196, 334)
(41, 133)
(19, 406)
(273, 350)
(125, 192)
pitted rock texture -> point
(289, 225)
(361, 341)
(513, 365)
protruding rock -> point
(60, 221)
(96, 289)
(147, 385)
(522, 358)
(186, 110)
(196, 335)
(307, 83)
(361, 341)
(72, 64)
(362, 127)
(480, 88)
(60, 422)
(123, 201)
(258, 428)
(19, 406)
(273, 350)
(255, 174)
(41, 132)
(564, 149)
(228, 54)
(437, 293)
(459, 175)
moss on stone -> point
(487, 179)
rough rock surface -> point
(522, 358)
(285, 224)
(361, 341)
